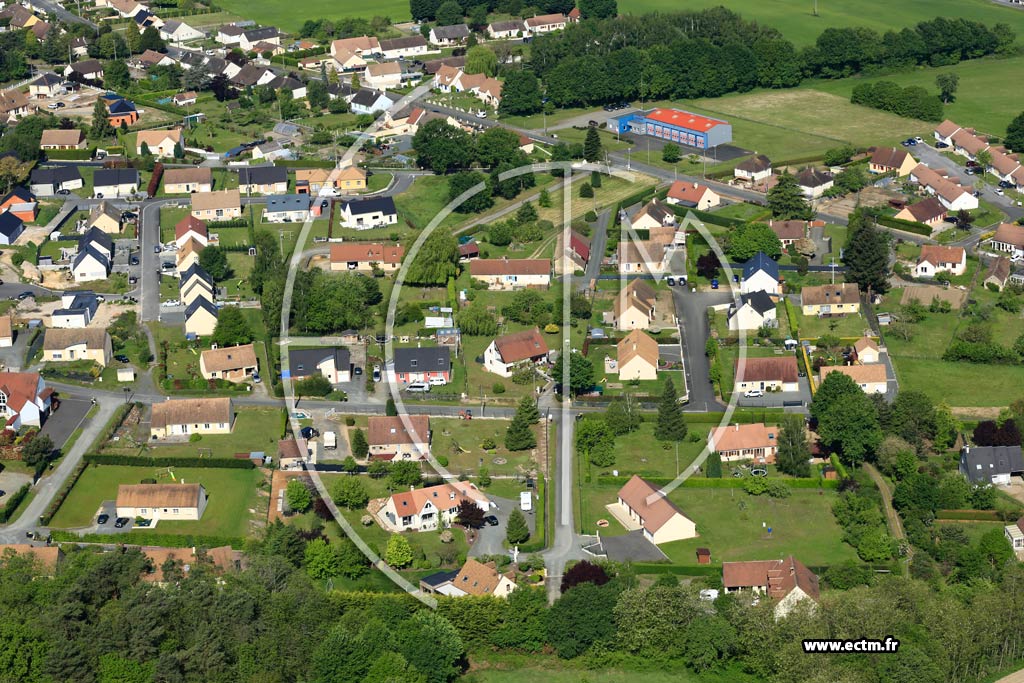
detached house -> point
(233, 363)
(641, 257)
(55, 138)
(13, 105)
(430, 364)
(640, 505)
(870, 378)
(333, 363)
(188, 180)
(1009, 238)
(756, 310)
(998, 273)
(755, 170)
(195, 283)
(69, 345)
(634, 306)
(11, 227)
(653, 214)
(189, 229)
(991, 465)
(364, 46)
(891, 160)
(115, 182)
(184, 416)
(24, 399)
(46, 182)
(175, 31)
(767, 374)
(349, 180)
(503, 30)
(507, 353)
(287, 208)
(506, 273)
(122, 111)
(405, 47)
(77, 308)
(867, 350)
(363, 257)
(693, 195)
(382, 75)
(936, 259)
(48, 84)
(787, 581)
(474, 578)
(222, 205)
(106, 217)
(86, 70)
(200, 317)
(429, 508)
(263, 180)
(400, 437)
(757, 442)
(364, 214)
(545, 23)
(828, 300)
(369, 101)
(180, 502)
(446, 36)
(928, 211)
(160, 143)
(760, 274)
(94, 258)
(637, 357)
(814, 183)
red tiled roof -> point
(648, 503)
(684, 119)
(189, 224)
(521, 345)
(687, 191)
(496, 266)
(363, 253)
(768, 370)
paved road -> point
(598, 240)
(564, 546)
(67, 17)
(691, 311)
(49, 485)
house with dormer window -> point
(428, 508)
(24, 399)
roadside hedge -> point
(58, 499)
(679, 570)
(120, 413)
(304, 163)
(905, 226)
(167, 461)
(13, 502)
(151, 538)
(71, 154)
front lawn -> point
(812, 327)
(640, 453)
(460, 442)
(231, 492)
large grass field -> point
(729, 522)
(984, 99)
(231, 493)
(256, 429)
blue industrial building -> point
(675, 125)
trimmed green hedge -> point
(304, 163)
(969, 515)
(120, 413)
(158, 461)
(725, 483)
(741, 415)
(58, 499)
(677, 569)
(13, 502)
(840, 467)
(905, 226)
(151, 538)
(71, 154)
(233, 223)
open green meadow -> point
(284, 15)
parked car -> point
(753, 393)
(918, 139)
(376, 372)
(63, 192)
(941, 145)
(121, 358)
(256, 378)
(133, 260)
(102, 519)
(1005, 184)
(438, 381)
(999, 191)
(671, 281)
(972, 164)
(309, 432)
(592, 123)
(357, 371)
(491, 520)
(157, 249)
(144, 523)
(418, 388)
(120, 522)
(714, 284)
(25, 295)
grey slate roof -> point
(288, 202)
(55, 176)
(303, 362)
(423, 359)
(980, 463)
(359, 207)
(761, 261)
(106, 177)
(262, 175)
(759, 301)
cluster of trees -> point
(519, 436)
(330, 303)
(521, 228)
(866, 256)
(913, 101)
(749, 238)
(326, 30)
(786, 200)
(97, 620)
(712, 52)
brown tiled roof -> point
(839, 293)
(937, 253)
(191, 411)
(383, 69)
(779, 576)
(644, 251)
(637, 294)
(359, 43)
(864, 343)
(789, 230)
(521, 345)
(781, 369)
(197, 174)
(313, 175)
(966, 139)
(158, 495)
(11, 100)
(927, 209)
(289, 449)
(546, 19)
(755, 164)
(648, 503)
(59, 137)
(999, 269)
(687, 191)
(500, 266)
(229, 358)
(59, 338)
(1004, 163)
(946, 128)
(191, 246)
(347, 252)
(224, 558)
(383, 431)
(889, 157)
(861, 374)
(476, 578)
(1010, 233)
(813, 177)
(20, 388)
(190, 224)
(638, 343)
(222, 199)
(155, 137)
(739, 437)
(6, 326)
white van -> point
(418, 388)
(526, 501)
(438, 381)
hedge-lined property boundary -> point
(13, 502)
(724, 483)
(168, 461)
(154, 538)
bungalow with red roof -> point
(579, 249)
(506, 273)
(757, 442)
(767, 374)
(937, 258)
(891, 160)
(866, 350)
(944, 132)
(1009, 238)
(364, 257)
(193, 228)
(24, 399)
(401, 437)
(692, 194)
(789, 231)
(428, 508)
(639, 505)
(928, 211)
(545, 23)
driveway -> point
(62, 424)
(780, 399)
(691, 310)
(11, 482)
(490, 538)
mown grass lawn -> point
(256, 429)
(960, 384)
(812, 327)
(640, 453)
(460, 441)
(231, 492)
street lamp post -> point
(127, 390)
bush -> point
(195, 438)
(498, 388)
(13, 502)
(590, 216)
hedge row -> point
(233, 223)
(71, 154)
(679, 570)
(304, 163)
(114, 423)
(840, 467)
(58, 499)
(154, 538)
(168, 461)
(905, 226)
(975, 515)
(13, 502)
(740, 415)
(724, 483)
